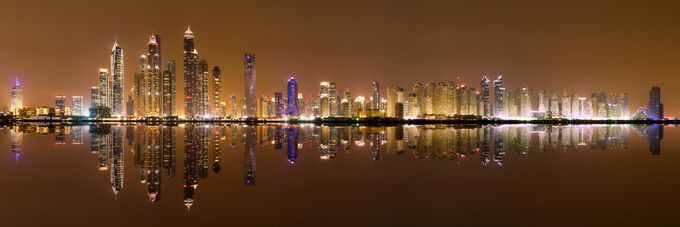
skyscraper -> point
(130, 106)
(391, 101)
(324, 98)
(153, 78)
(485, 93)
(655, 107)
(554, 106)
(189, 73)
(94, 96)
(17, 96)
(201, 91)
(77, 105)
(169, 97)
(139, 87)
(498, 96)
(278, 104)
(575, 107)
(332, 100)
(542, 101)
(375, 95)
(249, 79)
(104, 88)
(117, 74)
(566, 104)
(525, 106)
(292, 106)
(216, 90)
(234, 105)
(60, 104)
(624, 102)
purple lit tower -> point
(292, 107)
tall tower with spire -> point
(117, 75)
(189, 73)
(153, 81)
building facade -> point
(118, 83)
(249, 78)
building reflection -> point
(107, 143)
(154, 151)
(655, 134)
(17, 143)
(77, 135)
(195, 159)
(249, 146)
(292, 148)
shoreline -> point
(367, 121)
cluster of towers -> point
(109, 90)
(154, 95)
(523, 104)
(492, 100)
(154, 91)
(436, 101)
(443, 100)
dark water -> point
(307, 175)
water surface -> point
(301, 175)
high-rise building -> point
(566, 104)
(94, 96)
(391, 101)
(463, 101)
(153, 77)
(451, 106)
(624, 102)
(139, 87)
(399, 105)
(347, 103)
(485, 96)
(189, 73)
(498, 96)
(169, 93)
(278, 104)
(201, 91)
(324, 99)
(525, 109)
(542, 101)
(575, 106)
(413, 107)
(375, 95)
(77, 105)
(130, 106)
(234, 105)
(654, 106)
(60, 104)
(17, 96)
(117, 76)
(216, 90)
(332, 100)
(104, 88)
(554, 106)
(292, 106)
(249, 78)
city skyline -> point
(340, 112)
(355, 67)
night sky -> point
(56, 47)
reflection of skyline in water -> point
(154, 152)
